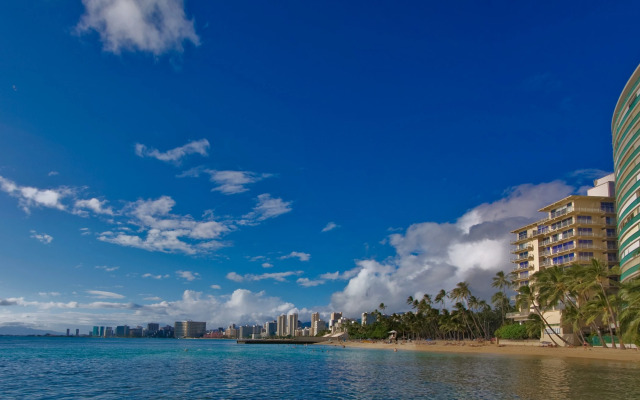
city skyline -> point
(232, 164)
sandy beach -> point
(629, 355)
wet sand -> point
(596, 353)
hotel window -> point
(610, 220)
(524, 274)
(524, 264)
(584, 255)
(611, 233)
(522, 235)
(585, 243)
(584, 219)
(611, 257)
(585, 232)
(607, 207)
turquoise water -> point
(68, 368)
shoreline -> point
(469, 347)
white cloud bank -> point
(29, 197)
(154, 26)
(330, 226)
(432, 256)
(277, 276)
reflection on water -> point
(40, 368)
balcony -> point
(522, 258)
(522, 269)
(522, 247)
(518, 315)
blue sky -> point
(232, 161)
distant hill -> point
(21, 330)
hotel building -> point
(575, 230)
(625, 129)
(189, 329)
(292, 324)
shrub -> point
(512, 331)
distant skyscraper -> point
(292, 324)
(101, 331)
(282, 325)
(96, 331)
(152, 327)
(314, 318)
(77, 332)
(189, 329)
(335, 317)
(271, 328)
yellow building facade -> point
(575, 230)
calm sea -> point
(70, 368)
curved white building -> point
(625, 128)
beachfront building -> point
(315, 317)
(282, 325)
(625, 128)
(319, 326)
(575, 230)
(368, 319)
(292, 324)
(189, 329)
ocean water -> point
(72, 368)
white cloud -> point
(330, 226)
(299, 255)
(154, 26)
(85, 231)
(232, 182)
(267, 207)
(42, 237)
(267, 265)
(346, 275)
(241, 307)
(217, 287)
(94, 205)
(306, 282)
(29, 197)
(174, 155)
(48, 294)
(188, 275)
(433, 256)
(107, 268)
(277, 276)
(148, 275)
(104, 295)
(53, 173)
(159, 230)
(153, 298)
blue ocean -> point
(86, 368)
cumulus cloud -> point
(306, 282)
(48, 294)
(107, 268)
(53, 173)
(277, 276)
(154, 26)
(267, 207)
(29, 197)
(217, 287)
(296, 254)
(174, 155)
(148, 275)
(432, 256)
(42, 237)
(94, 205)
(160, 230)
(188, 275)
(267, 265)
(232, 182)
(99, 294)
(330, 226)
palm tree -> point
(599, 275)
(526, 298)
(500, 300)
(501, 282)
(630, 315)
(462, 292)
(442, 294)
(598, 307)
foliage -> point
(513, 332)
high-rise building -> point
(122, 331)
(153, 328)
(189, 329)
(314, 317)
(292, 324)
(575, 230)
(96, 331)
(334, 318)
(270, 328)
(319, 326)
(282, 325)
(626, 164)
(368, 318)
(102, 331)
